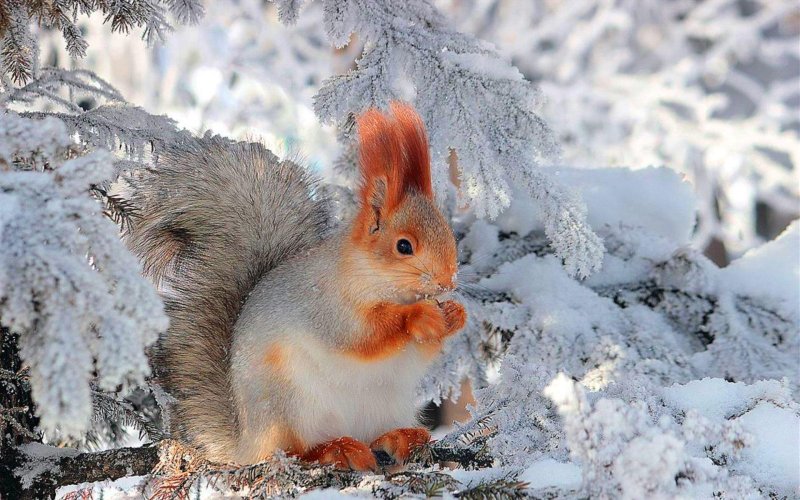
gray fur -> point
(212, 219)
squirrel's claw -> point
(344, 453)
(400, 443)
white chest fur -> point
(338, 395)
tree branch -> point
(63, 470)
(87, 468)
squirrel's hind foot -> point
(344, 453)
(400, 443)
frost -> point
(70, 288)
(706, 88)
(472, 101)
(19, 48)
(656, 314)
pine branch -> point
(51, 80)
(19, 46)
(107, 408)
(429, 484)
(504, 488)
(18, 50)
(474, 456)
(116, 207)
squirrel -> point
(285, 335)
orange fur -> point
(400, 443)
(275, 358)
(392, 326)
(414, 139)
(455, 316)
(343, 453)
(282, 437)
(393, 154)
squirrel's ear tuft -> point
(393, 156)
(416, 174)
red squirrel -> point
(282, 335)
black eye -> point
(404, 247)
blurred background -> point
(708, 88)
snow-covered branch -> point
(472, 101)
(69, 289)
(19, 49)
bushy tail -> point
(209, 222)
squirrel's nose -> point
(447, 282)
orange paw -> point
(343, 453)
(427, 323)
(399, 443)
(455, 315)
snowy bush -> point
(656, 314)
(627, 453)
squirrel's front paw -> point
(427, 323)
(343, 453)
(455, 315)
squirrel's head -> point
(408, 246)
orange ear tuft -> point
(393, 153)
(417, 163)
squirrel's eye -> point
(404, 247)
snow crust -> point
(551, 473)
(774, 457)
(765, 413)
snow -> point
(520, 217)
(486, 65)
(774, 458)
(125, 488)
(324, 494)
(39, 458)
(719, 399)
(653, 198)
(765, 412)
(481, 241)
(776, 268)
(551, 473)
(470, 478)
